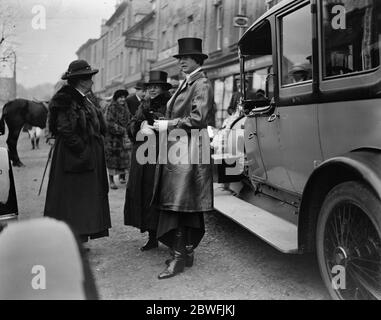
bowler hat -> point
(139, 85)
(190, 46)
(78, 68)
(158, 77)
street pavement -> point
(230, 263)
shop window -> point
(351, 35)
(296, 44)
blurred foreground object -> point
(8, 199)
(41, 259)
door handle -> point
(273, 117)
(251, 135)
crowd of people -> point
(93, 146)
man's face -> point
(187, 64)
(140, 93)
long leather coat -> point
(188, 187)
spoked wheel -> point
(348, 242)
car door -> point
(297, 113)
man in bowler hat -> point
(185, 191)
(134, 100)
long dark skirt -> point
(80, 199)
(169, 221)
(138, 211)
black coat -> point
(133, 103)
(78, 187)
(138, 211)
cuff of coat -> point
(174, 123)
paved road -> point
(231, 263)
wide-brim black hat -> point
(78, 68)
(190, 46)
(158, 77)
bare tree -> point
(7, 22)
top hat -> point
(78, 68)
(158, 77)
(190, 46)
(139, 85)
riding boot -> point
(189, 256)
(177, 265)
(112, 183)
(152, 241)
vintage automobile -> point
(302, 168)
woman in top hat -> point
(138, 210)
(185, 191)
(117, 143)
(78, 188)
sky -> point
(44, 54)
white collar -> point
(82, 94)
(140, 99)
(187, 76)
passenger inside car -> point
(300, 72)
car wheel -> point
(348, 242)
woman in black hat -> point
(117, 143)
(138, 211)
(78, 188)
(185, 191)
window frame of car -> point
(356, 85)
(300, 92)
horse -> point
(16, 114)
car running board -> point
(279, 233)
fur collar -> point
(65, 96)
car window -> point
(351, 36)
(296, 46)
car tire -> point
(348, 242)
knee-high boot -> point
(189, 250)
(178, 263)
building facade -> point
(108, 53)
(140, 47)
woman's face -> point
(121, 100)
(154, 90)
